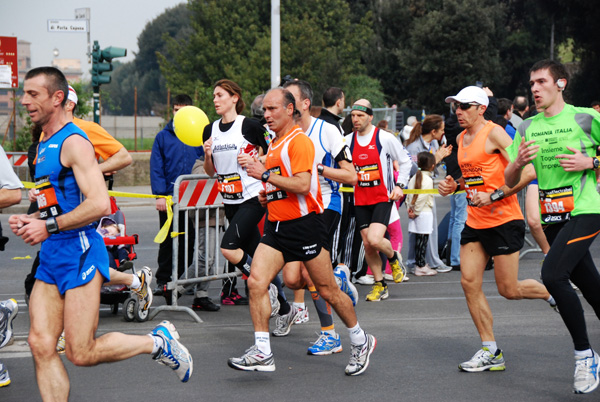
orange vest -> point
(485, 172)
(294, 153)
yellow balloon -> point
(189, 123)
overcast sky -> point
(113, 23)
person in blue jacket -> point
(170, 159)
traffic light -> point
(101, 63)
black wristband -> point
(457, 187)
(52, 225)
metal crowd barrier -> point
(530, 246)
(195, 195)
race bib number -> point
(368, 175)
(230, 186)
(556, 204)
(472, 185)
(46, 198)
(274, 193)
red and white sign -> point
(17, 159)
(8, 57)
(197, 193)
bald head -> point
(363, 102)
(362, 116)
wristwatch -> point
(51, 225)
(402, 186)
(497, 195)
(265, 176)
(596, 162)
(320, 168)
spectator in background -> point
(596, 106)
(383, 125)
(505, 111)
(410, 123)
(425, 137)
(257, 110)
(334, 103)
(171, 158)
(520, 107)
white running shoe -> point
(365, 280)
(273, 299)
(253, 360)
(283, 323)
(425, 271)
(173, 354)
(586, 374)
(61, 344)
(342, 278)
(359, 356)
(143, 291)
(302, 317)
(8, 311)
(484, 360)
(442, 269)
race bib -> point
(556, 204)
(46, 198)
(274, 193)
(472, 185)
(230, 186)
(368, 175)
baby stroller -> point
(114, 295)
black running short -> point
(376, 213)
(299, 239)
(331, 220)
(500, 240)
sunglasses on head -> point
(464, 106)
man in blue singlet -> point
(73, 259)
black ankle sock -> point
(244, 264)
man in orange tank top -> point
(294, 231)
(495, 225)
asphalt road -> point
(423, 330)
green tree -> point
(450, 47)
(144, 72)
(578, 22)
(231, 39)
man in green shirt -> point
(561, 143)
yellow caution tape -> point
(164, 231)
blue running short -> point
(71, 259)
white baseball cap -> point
(72, 95)
(470, 94)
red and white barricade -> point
(197, 212)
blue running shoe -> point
(342, 277)
(8, 311)
(173, 354)
(326, 345)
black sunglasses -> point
(464, 106)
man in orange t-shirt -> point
(495, 225)
(294, 231)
